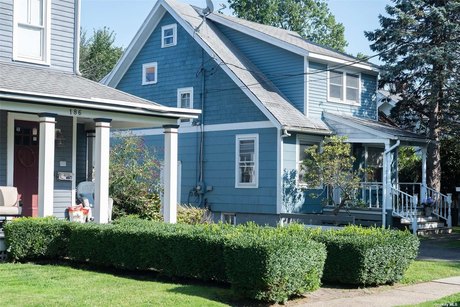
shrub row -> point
(259, 262)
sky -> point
(125, 17)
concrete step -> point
(433, 231)
(420, 219)
(430, 225)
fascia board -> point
(136, 45)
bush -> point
(187, 214)
(37, 238)
(367, 256)
(273, 265)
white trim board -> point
(209, 128)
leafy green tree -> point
(332, 167)
(419, 42)
(310, 18)
(98, 55)
(134, 182)
(409, 165)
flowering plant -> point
(428, 202)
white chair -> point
(85, 191)
(9, 202)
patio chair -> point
(10, 202)
(85, 192)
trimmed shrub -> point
(273, 265)
(36, 238)
(367, 256)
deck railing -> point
(371, 194)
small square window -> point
(185, 100)
(168, 36)
(228, 218)
(149, 73)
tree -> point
(419, 43)
(134, 182)
(310, 18)
(332, 167)
(98, 55)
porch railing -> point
(371, 194)
(404, 204)
(441, 203)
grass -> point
(423, 270)
(56, 285)
(447, 301)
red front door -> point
(26, 165)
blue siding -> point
(219, 170)
(3, 136)
(284, 68)
(180, 66)
(317, 95)
(306, 203)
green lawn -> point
(422, 270)
(61, 285)
(448, 301)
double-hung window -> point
(169, 36)
(303, 144)
(185, 100)
(149, 73)
(31, 31)
(343, 87)
(247, 161)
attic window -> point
(169, 36)
(343, 87)
(149, 73)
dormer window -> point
(169, 36)
(343, 87)
(31, 31)
(149, 73)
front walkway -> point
(384, 296)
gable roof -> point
(30, 83)
(289, 40)
(245, 74)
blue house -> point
(265, 95)
(54, 124)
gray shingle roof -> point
(378, 127)
(290, 37)
(53, 83)
(249, 75)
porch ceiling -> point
(358, 129)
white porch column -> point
(46, 164)
(423, 194)
(170, 174)
(101, 170)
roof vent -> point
(209, 8)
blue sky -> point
(125, 17)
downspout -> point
(388, 199)
(76, 53)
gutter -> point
(76, 53)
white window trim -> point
(144, 68)
(181, 91)
(244, 185)
(344, 87)
(232, 215)
(46, 33)
(163, 29)
(310, 140)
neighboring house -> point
(265, 94)
(54, 124)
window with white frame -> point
(303, 144)
(228, 218)
(169, 36)
(344, 87)
(31, 31)
(247, 161)
(149, 73)
(185, 100)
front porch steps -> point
(427, 225)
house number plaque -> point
(75, 112)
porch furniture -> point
(85, 192)
(9, 202)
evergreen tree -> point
(310, 18)
(98, 55)
(419, 43)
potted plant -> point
(427, 205)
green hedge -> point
(36, 238)
(367, 256)
(263, 263)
